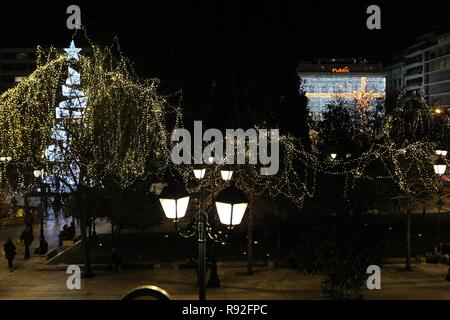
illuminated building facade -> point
(348, 79)
(423, 68)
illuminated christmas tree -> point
(71, 109)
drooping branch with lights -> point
(109, 124)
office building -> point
(327, 80)
(423, 68)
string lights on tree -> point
(90, 131)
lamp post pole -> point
(42, 212)
(214, 280)
(38, 175)
(201, 234)
(439, 217)
(447, 277)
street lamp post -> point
(214, 280)
(202, 222)
(439, 169)
(230, 204)
(38, 174)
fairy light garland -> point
(125, 133)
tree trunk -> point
(250, 243)
(279, 241)
(86, 248)
(26, 207)
(90, 228)
(113, 238)
(408, 242)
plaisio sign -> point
(340, 70)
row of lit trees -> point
(396, 163)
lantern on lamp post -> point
(174, 200)
(199, 173)
(226, 174)
(440, 167)
(231, 204)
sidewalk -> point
(425, 282)
(52, 227)
(29, 282)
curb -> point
(150, 265)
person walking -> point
(10, 253)
(57, 205)
(27, 238)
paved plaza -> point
(29, 281)
(33, 279)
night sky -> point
(310, 28)
(187, 44)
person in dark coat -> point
(57, 203)
(10, 253)
(27, 238)
(64, 234)
(446, 248)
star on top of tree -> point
(72, 51)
